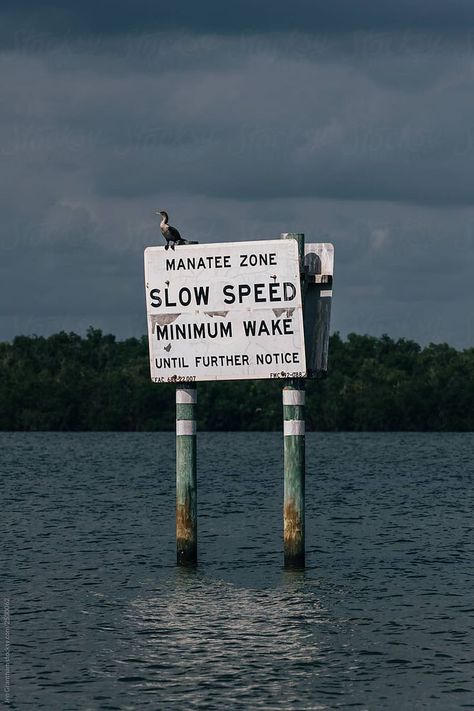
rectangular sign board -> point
(225, 311)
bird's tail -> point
(186, 241)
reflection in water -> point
(218, 640)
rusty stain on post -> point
(186, 478)
(293, 529)
(184, 520)
(185, 532)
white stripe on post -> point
(186, 397)
(294, 397)
(293, 427)
(185, 427)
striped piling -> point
(186, 479)
(294, 453)
(294, 473)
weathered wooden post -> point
(186, 479)
(294, 453)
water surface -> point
(101, 618)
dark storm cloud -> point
(59, 275)
(124, 16)
(351, 122)
(266, 126)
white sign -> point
(225, 311)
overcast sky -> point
(351, 121)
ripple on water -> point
(102, 619)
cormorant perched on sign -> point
(170, 233)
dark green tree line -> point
(66, 382)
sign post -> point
(219, 312)
(186, 478)
(231, 311)
(294, 452)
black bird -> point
(170, 233)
